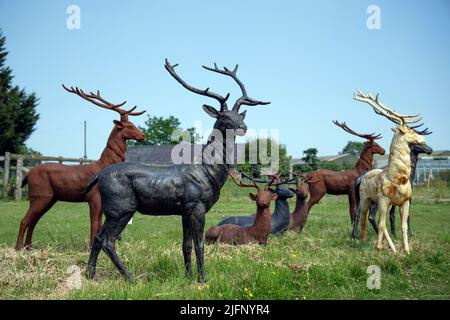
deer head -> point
(225, 118)
(127, 130)
(302, 190)
(408, 134)
(369, 144)
(262, 197)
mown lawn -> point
(320, 263)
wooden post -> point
(291, 167)
(19, 165)
(6, 174)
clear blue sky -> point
(306, 57)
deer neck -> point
(299, 203)
(365, 160)
(414, 159)
(216, 168)
(399, 166)
(281, 207)
(114, 151)
(261, 227)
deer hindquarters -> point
(212, 234)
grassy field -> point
(320, 263)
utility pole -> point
(85, 148)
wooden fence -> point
(21, 169)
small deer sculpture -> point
(324, 181)
(279, 220)
(301, 194)
(415, 151)
(260, 229)
(51, 182)
(391, 186)
(189, 190)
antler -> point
(424, 132)
(205, 92)
(381, 109)
(240, 183)
(370, 137)
(96, 99)
(244, 99)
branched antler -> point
(244, 99)
(370, 137)
(97, 99)
(381, 109)
(206, 92)
(424, 132)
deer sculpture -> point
(415, 150)
(259, 230)
(391, 186)
(51, 182)
(301, 194)
(324, 181)
(189, 190)
(279, 220)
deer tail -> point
(24, 181)
(92, 182)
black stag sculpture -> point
(279, 220)
(415, 151)
(189, 190)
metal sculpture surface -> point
(259, 230)
(279, 220)
(189, 190)
(51, 182)
(301, 194)
(391, 186)
(415, 150)
(324, 181)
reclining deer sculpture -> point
(301, 193)
(415, 151)
(189, 190)
(51, 182)
(324, 181)
(391, 186)
(280, 217)
(259, 230)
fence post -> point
(6, 174)
(19, 165)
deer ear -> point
(252, 196)
(274, 196)
(243, 114)
(118, 124)
(403, 129)
(211, 111)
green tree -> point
(18, 114)
(310, 157)
(353, 148)
(255, 169)
(159, 130)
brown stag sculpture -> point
(260, 229)
(50, 182)
(324, 181)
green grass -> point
(320, 263)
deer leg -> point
(404, 215)
(198, 223)
(352, 204)
(38, 207)
(365, 204)
(304, 212)
(383, 208)
(356, 222)
(95, 210)
(392, 220)
(187, 244)
(372, 213)
(30, 229)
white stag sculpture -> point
(391, 186)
